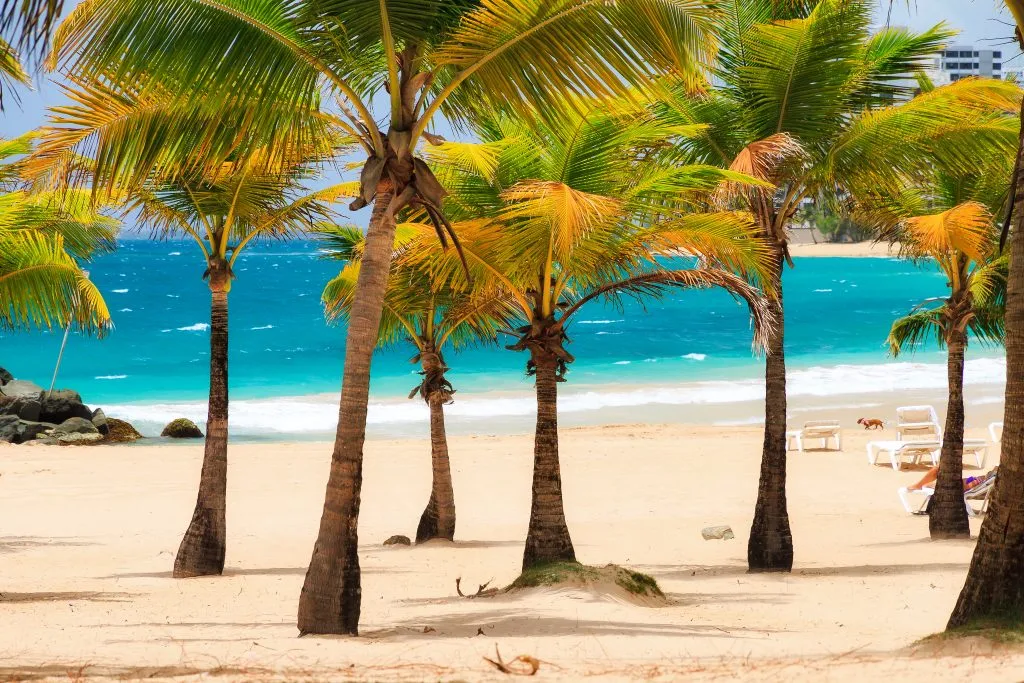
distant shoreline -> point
(845, 250)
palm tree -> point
(223, 215)
(267, 65)
(806, 102)
(558, 215)
(963, 242)
(429, 317)
(992, 590)
(43, 239)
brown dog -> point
(871, 423)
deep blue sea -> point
(692, 348)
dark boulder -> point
(21, 388)
(182, 429)
(398, 540)
(24, 408)
(27, 431)
(75, 425)
(5, 377)
(119, 431)
(62, 405)
(8, 428)
(99, 420)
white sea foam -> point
(119, 291)
(319, 414)
(262, 327)
(823, 290)
(110, 377)
(174, 253)
(597, 322)
(695, 356)
(198, 327)
(125, 310)
(622, 362)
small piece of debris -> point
(723, 533)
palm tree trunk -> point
(201, 552)
(547, 539)
(438, 519)
(995, 581)
(770, 548)
(947, 517)
(330, 598)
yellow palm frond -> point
(966, 228)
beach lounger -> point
(898, 450)
(981, 492)
(816, 430)
(995, 430)
(917, 422)
(977, 449)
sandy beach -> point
(845, 249)
(89, 536)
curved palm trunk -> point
(995, 581)
(438, 519)
(947, 517)
(547, 539)
(201, 552)
(770, 548)
(330, 598)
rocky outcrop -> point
(5, 377)
(119, 431)
(62, 405)
(182, 428)
(21, 388)
(99, 420)
(398, 540)
(14, 430)
(22, 407)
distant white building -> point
(963, 61)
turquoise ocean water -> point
(691, 349)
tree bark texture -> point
(995, 582)
(770, 548)
(547, 539)
(331, 594)
(202, 550)
(438, 519)
(947, 516)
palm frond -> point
(916, 329)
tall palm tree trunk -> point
(438, 519)
(331, 593)
(947, 516)
(201, 552)
(995, 581)
(770, 548)
(547, 539)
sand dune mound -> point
(610, 582)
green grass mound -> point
(1008, 631)
(611, 580)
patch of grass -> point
(559, 573)
(1008, 630)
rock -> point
(99, 421)
(182, 429)
(62, 405)
(13, 430)
(29, 431)
(74, 425)
(5, 377)
(21, 388)
(78, 438)
(8, 428)
(24, 408)
(717, 532)
(119, 431)
(398, 540)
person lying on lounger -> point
(969, 483)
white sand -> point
(88, 537)
(852, 250)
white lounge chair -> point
(995, 430)
(815, 430)
(981, 493)
(976, 448)
(918, 423)
(897, 450)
